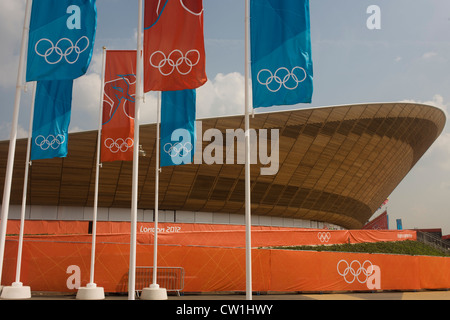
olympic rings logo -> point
(355, 270)
(282, 78)
(324, 236)
(183, 63)
(50, 142)
(54, 53)
(178, 149)
(122, 145)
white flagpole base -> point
(16, 291)
(90, 292)
(154, 292)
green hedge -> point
(399, 247)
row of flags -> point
(61, 41)
(60, 46)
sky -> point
(408, 59)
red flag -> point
(174, 50)
(118, 106)
(379, 223)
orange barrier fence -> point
(216, 234)
(62, 263)
(48, 227)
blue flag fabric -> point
(61, 39)
(178, 134)
(282, 68)
(51, 119)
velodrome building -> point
(336, 167)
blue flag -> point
(178, 134)
(61, 39)
(51, 119)
(282, 68)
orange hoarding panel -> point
(61, 264)
(234, 236)
(215, 234)
(48, 227)
(64, 266)
(361, 236)
(434, 272)
(330, 271)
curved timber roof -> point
(337, 164)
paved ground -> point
(422, 295)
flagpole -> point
(155, 242)
(25, 187)
(154, 292)
(135, 175)
(97, 169)
(91, 291)
(248, 248)
(13, 138)
(17, 290)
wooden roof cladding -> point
(337, 164)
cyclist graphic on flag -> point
(118, 106)
(119, 94)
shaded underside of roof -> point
(336, 164)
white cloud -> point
(86, 97)
(429, 55)
(96, 64)
(11, 26)
(422, 198)
(437, 101)
(5, 131)
(220, 96)
(223, 95)
(147, 112)
(440, 151)
(86, 101)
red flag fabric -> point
(379, 223)
(174, 50)
(118, 106)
